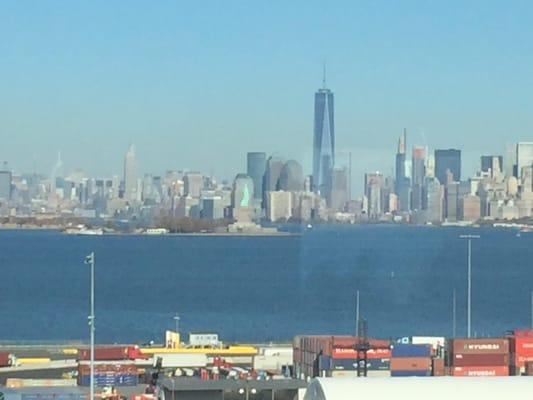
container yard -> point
(130, 370)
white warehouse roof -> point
(436, 388)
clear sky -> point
(198, 84)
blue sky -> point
(198, 84)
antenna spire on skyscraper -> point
(324, 76)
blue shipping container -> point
(411, 350)
(379, 364)
(110, 380)
(324, 363)
(399, 374)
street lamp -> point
(90, 260)
(469, 279)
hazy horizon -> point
(199, 86)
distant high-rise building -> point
(524, 156)
(193, 183)
(291, 178)
(374, 184)
(5, 185)
(492, 164)
(339, 189)
(323, 140)
(212, 208)
(255, 168)
(419, 175)
(130, 175)
(433, 200)
(402, 182)
(447, 160)
(272, 175)
(279, 205)
(400, 161)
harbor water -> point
(258, 289)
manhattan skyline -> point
(443, 73)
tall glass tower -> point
(323, 141)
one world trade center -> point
(323, 141)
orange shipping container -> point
(480, 371)
(410, 364)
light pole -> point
(177, 319)
(90, 260)
(469, 283)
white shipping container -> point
(181, 360)
(434, 341)
(203, 339)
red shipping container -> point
(479, 346)
(480, 360)
(410, 364)
(523, 346)
(372, 354)
(105, 354)
(480, 371)
(5, 359)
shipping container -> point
(5, 359)
(434, 341)
(183, 360)
(375, 364)
(401, 374)
(347, 353)
(479, 346)
(105, 353)
(351, 341)
(23, 383)
(438, 367)
(480, 371)
(353, 374)
(44, 393)
(411, 350)
(480, 360)
(410, 364)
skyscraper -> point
(5, 185)
(402, 183)
(400, 160)
(419, 175)
(524, 156)
(447, 160)
(130, 175)
(339, 189)
(255, 168)
(323, 140)
(492, 164)
(291, 178)
(273, 169)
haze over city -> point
(199, 86)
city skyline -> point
(456, 81)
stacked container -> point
(521, 345)
(336, 356)
(411, 360)
(478, 357)
(109, 374)
(5, 359)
